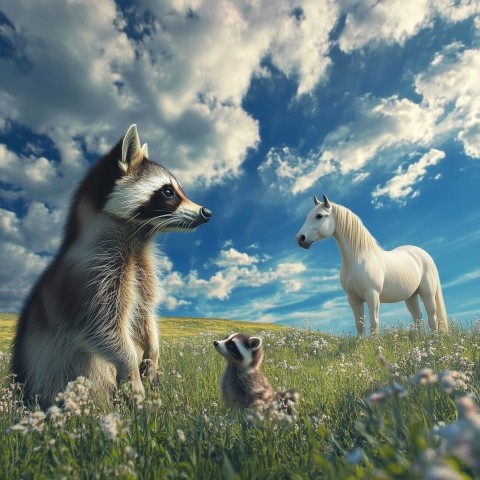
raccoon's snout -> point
(206, 214)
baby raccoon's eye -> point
(168, 192)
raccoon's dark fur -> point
(242, 384)
(92, 312)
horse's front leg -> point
(372, 298)
(358, 313)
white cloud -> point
(39, 230)
(232, 258)
(291, 172)
(236, 269)
(301, 45)
(449, 87)
(20, 267)
(376, 23)
(386, 129)
(182, 76)
(462, 279)
(402, 185)
(378, 125)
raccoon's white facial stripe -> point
(129, 194)
(245, 352)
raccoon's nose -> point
(206, 213)
(215, 343)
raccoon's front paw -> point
(131, 392)
(148, 370)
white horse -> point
(373, 275)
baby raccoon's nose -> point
(215, 343)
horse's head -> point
(320, 223)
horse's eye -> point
(168, 192)
(319, 216)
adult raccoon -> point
(92, 312)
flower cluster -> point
(76, 397)
(30, 422)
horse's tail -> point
(440, 308)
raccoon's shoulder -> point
(92, 193)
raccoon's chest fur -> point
(245, 388)
(112, 275)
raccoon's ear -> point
(255, 342)
(132, 152)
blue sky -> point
(255, 106)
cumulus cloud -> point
(181, 70)
(233, 258)
(20, 267)
(378, 125)
(235, 269)
(388, 129)
(449, 87)
(402, 184)
(376, 23)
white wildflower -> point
(425, 376)
(31, 422)
(452, 380)
(111, 424)
(181, 435)
(462, 438)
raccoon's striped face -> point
(148, 194)
(240, 349)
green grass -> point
(183, 430)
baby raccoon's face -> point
(241, 350)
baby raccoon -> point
(242, 383)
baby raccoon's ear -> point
(255, 343)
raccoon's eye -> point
(319, 216)
(168, 192)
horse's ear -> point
(316, 201)
(326, 202)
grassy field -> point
(363, 413)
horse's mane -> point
(353, 231)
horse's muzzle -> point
(302, 242)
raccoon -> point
(92, 312)
(242, 384)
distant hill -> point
(170, 327)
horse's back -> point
(417, 255)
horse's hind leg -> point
(414, 308)
(431, 308)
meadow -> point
(401, 405)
